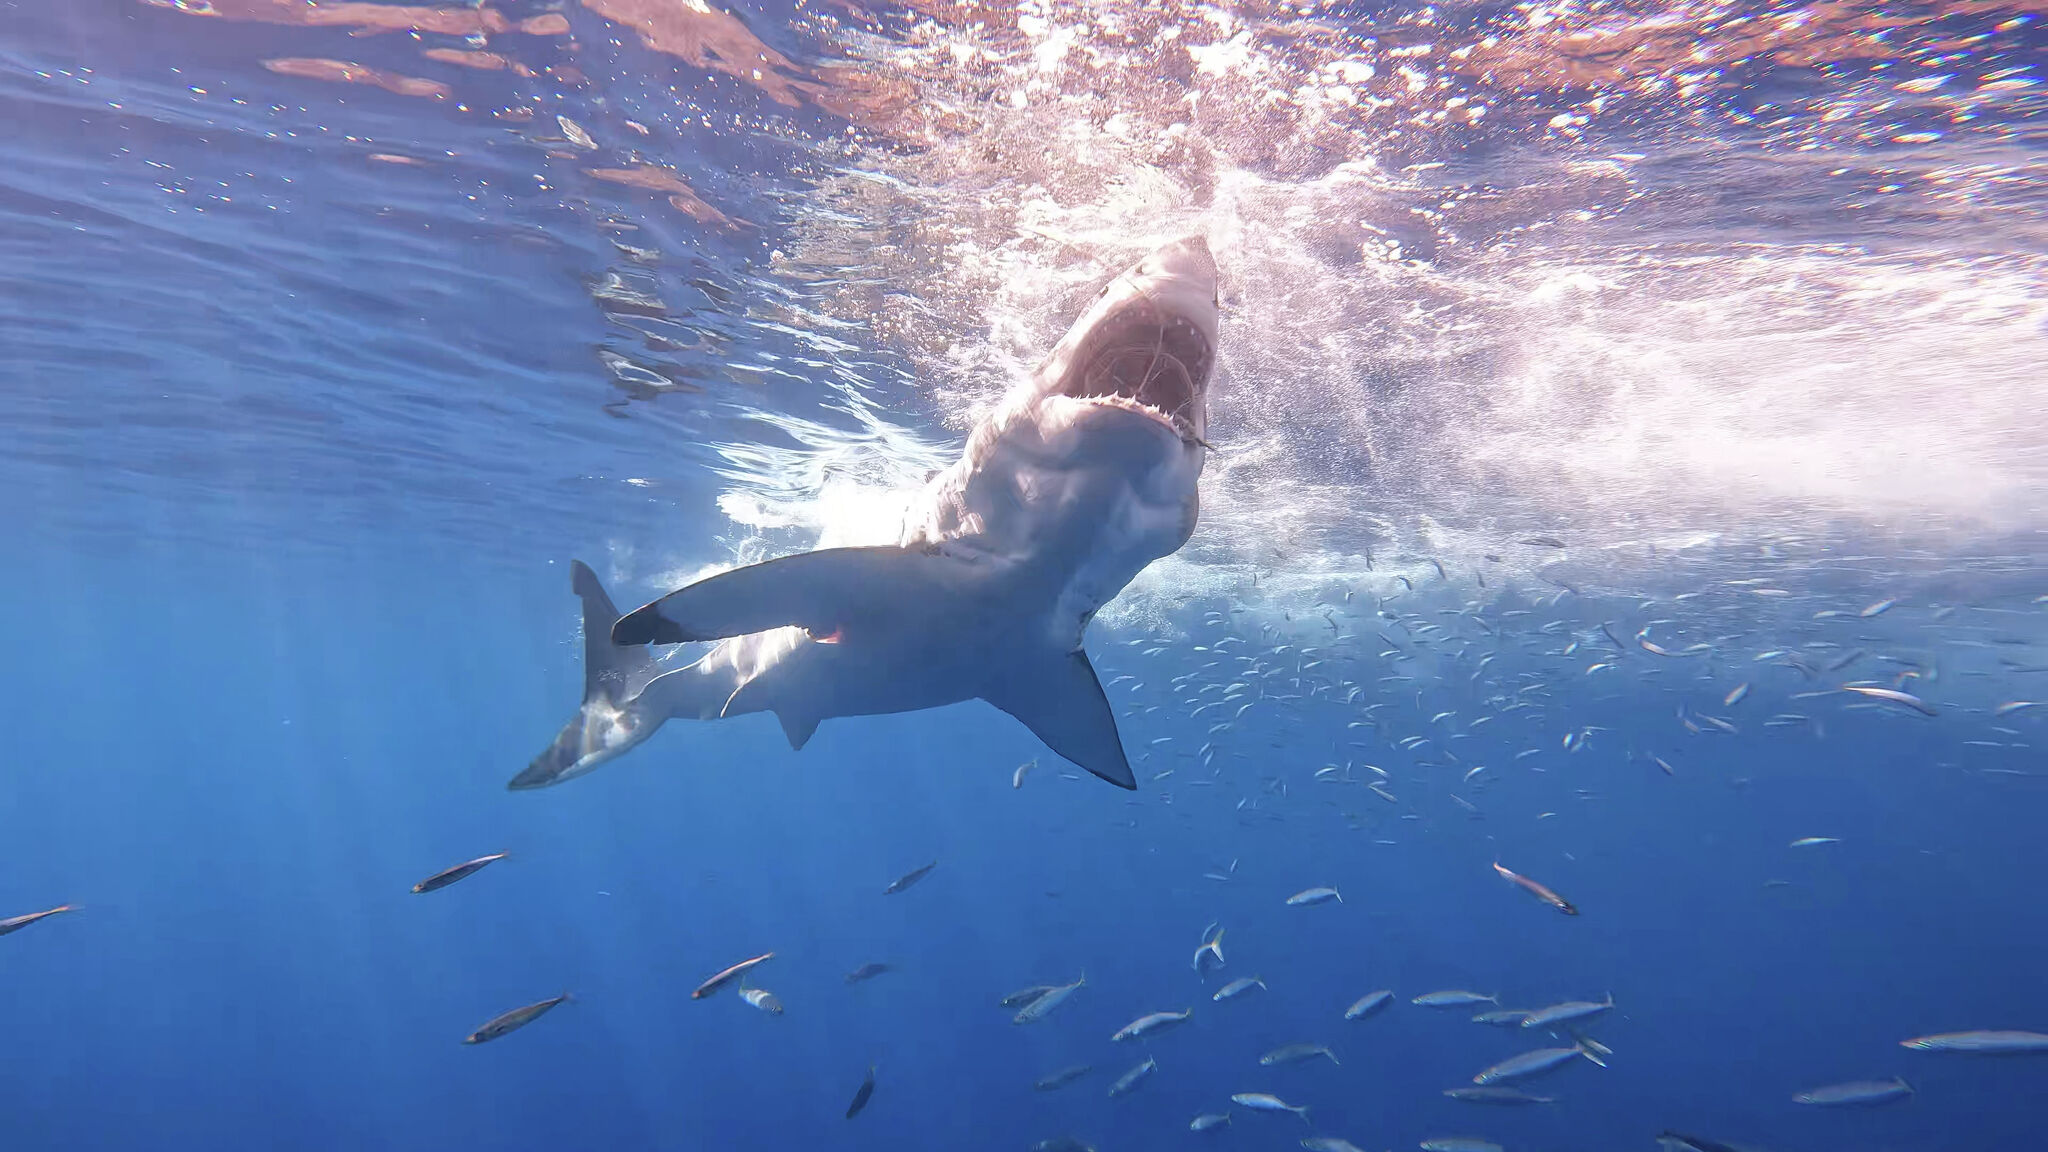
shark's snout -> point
(1187, 259)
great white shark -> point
(1084, 474)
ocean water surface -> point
(1628, 470)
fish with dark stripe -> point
(17, 923)
(862, 1094)
(727, 976)
(447, 876)
(512, 1021)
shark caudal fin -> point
(614, 679)
(1061, 701)
(825, 593)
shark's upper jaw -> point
(1159, 361)
(1151, 340)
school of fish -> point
(1416, 740)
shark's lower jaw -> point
(1152, 375)
(1178, 420)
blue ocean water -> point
(332, 332)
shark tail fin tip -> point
(609, 671)
(586, 584)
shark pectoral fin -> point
(821, 591)
(797, 728)
(1061, 701)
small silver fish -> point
(1459, 1144)
(1566, 1012)
(1503, 1018)
(908, 878)
(1208, 1120)
(1856, 1092)
(1329, 1144)
(1238, 987)
(1210, 955)
(1136, 1076)
(17, 923)
(1893, 696)
(511, 1021)
(1026, 995)
(763, 999)
(1987, 1041)
(1152, 1022)
(1267, 1102)
(1537, 890)
(1492, 1095)
(447, 876)
(1052, 998)
(725, 977)
(1368, 1004)
(1063, 1077)
(862, 1095)
(1296, 1053)
(1533, 1063)
(867, 972)
(1017, 777)
(1308, 896)
(1453, 998)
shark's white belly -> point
(1075, 497)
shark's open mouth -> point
(1160, 366)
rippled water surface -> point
(1581, 364)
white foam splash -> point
(1424, 361)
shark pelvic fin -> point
(1061, 701)
(822, 592)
